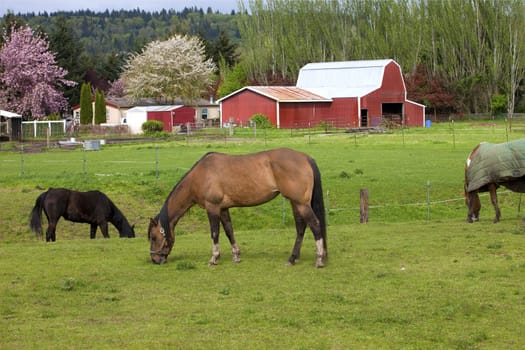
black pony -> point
(92, 207)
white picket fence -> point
(41, 128)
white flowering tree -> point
(170, 69)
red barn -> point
(344, 94)
(170, 116)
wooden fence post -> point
(363, 201)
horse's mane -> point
(117, 214)
(163, 216)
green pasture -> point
(417, 276)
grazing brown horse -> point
(218, 182)
(490, 166)
(92, 207)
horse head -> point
(128, 231)
(161, 242)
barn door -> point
(364, 118)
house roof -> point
(7, 114)
(343, 79)
(154, 108)
(283, 94)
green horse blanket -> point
(501, 164)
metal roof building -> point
(170, 116)
(346, 94)
(10, 126)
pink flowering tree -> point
(30, 79)
(117, 88)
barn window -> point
(204, 113)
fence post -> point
(284, 210)
(428, 200)
(327, 208)
(519, 205)
(156, 163)
(453, 135)
(84, 156)
(22, 161)
(363, 205)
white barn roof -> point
(342, 79)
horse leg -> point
(228, 229)
(494, 200)
(51, 231)
(307, 214)
(104, 229)
(300, 227)
(93, 231)
(473, 206)
(214, 228)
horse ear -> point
(153, 222)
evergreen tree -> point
(86, 107)
(70, 55)
(100, 107)
(223, 48)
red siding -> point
(414, 114)
(161, 116)
(183, 115)
(174, 117)
(242, 106)
(301, 114)
(343, 113)
(392, 91)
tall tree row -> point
(474, 47)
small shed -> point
(170, 116)
(10, 126)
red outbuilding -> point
(170, 116)
(346, 94)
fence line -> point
(416, 204)
(34, 126)
(155, 162)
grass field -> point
(417, 276)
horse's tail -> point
(317, 202)
(36, 215)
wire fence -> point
(93, 170)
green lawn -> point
(417, 276)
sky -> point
(36, 6)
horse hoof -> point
(319, 264)
(236, 260)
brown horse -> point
(218, 182)
(92, 207)
(490, 166)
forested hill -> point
(102, 33)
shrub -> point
(152, 127)
(261, 121)
(498, 104)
